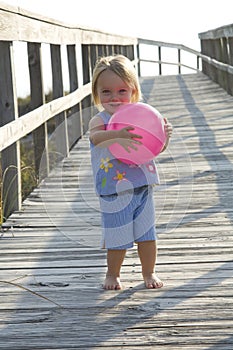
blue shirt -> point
(113, 176)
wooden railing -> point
(218, 44)
(67, 114)
(162, 61)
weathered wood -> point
(223, 31)
(217, 43)
(27, 123)
(87, 73)
(209, 61)
(74, 123)
(61, 142)
(10, 167)
(19, 24)
(194, 308)
(40, 135)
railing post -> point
(198, 62)
(100, 51)
(179, 61)
(230, 54)
(138, 58)
(225, 59)
(74, 120)
(40, 135)
(10, 157)
(207, 49)
(62, 143)
(217, 44)
(117, 49)
(111, 50)
(86, 61)
(130, 52)
(93, 56)
(160, 60)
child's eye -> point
(105, 91)
(123, 91)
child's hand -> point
(168, 131)
(127, 139)
(168, 128)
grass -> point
(28, 180)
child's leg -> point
(115, 258)
(147, 252)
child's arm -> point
(101, 137)
(168, 130)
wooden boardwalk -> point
(52, 246)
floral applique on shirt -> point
(151, 167)
(119, 176)
(105, 164)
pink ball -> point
(148, 123)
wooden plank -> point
(19, 24)
(10, 167)
(223, 31)
(194, 207)
(27, 123)
(74, 124)
(40, 135)
(60, 136)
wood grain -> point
(51, 246)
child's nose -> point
(114, 96)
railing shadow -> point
(196, 113)
(90, 317)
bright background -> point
(177, 21)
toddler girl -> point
(125, 191)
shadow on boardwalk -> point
(193, 310)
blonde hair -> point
(121, 66)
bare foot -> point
(112, 283)
(152, 281)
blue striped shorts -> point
(128, 217)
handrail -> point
(18, 24)
(212, 61)
(218, 33)
(17, 129)
(218, 44)
(83, 45)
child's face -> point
(112, 91)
